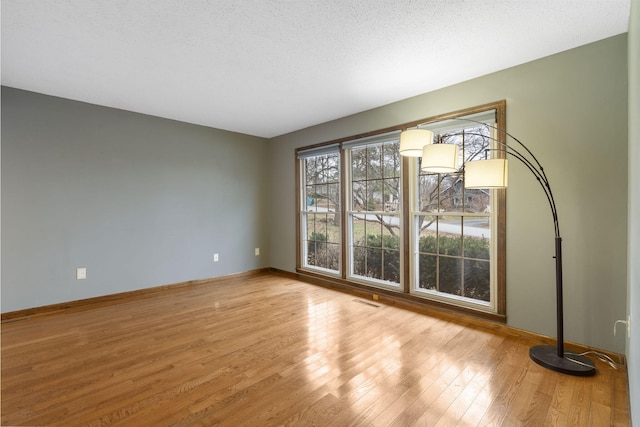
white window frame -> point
(303, 211)
(490, 306)
(350, 213)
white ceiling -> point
(269, 67)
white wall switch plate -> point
(257, 251)
(81, 273)
(216, 258)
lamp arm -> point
(533, 165)
(504, 132)
(507, 149)
(541, 180)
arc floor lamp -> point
(493, 173)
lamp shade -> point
(440, 158)
(492, 173)
(412, 141)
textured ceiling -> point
(269, 67)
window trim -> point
(404, 293)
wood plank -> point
(267, 349)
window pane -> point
(391, 232)
(321, 196)
(359, 196)
(428, 236)
(358, 230)
(322, 169)
(374, 263)
(309, 168)
(374, 231)
(330, 168)
(366, 230)
(428, 192)
(391, 266)
(391, 194)
(310, 201)
(311, 253)
(477, 201)
(449, 275)
(333, 256)
(324, 255)
(391, 160)
(310, 225)
(334, 197)
(450, 236)
(374, 162)
(475, 145)
(332, 222)
(477, 237)
(317, 255)
(320, 254)
(374, 195)
(477, 279)
(451, 189)
(427, 271)
(376, 243)
(316, 227)
(358, 164)
(359, 264)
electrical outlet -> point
(81, 273)
(626, 323)
(257, 251)
(216, 258)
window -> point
(320, 210)
(453, 228)
(373, 212)
(370, 218)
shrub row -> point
(380, 259)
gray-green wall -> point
(633, 344)
(139, 201)
(571, 110)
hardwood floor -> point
(271, 350)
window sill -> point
(400, 299)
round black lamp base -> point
(570, 364)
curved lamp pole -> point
(493, 173)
